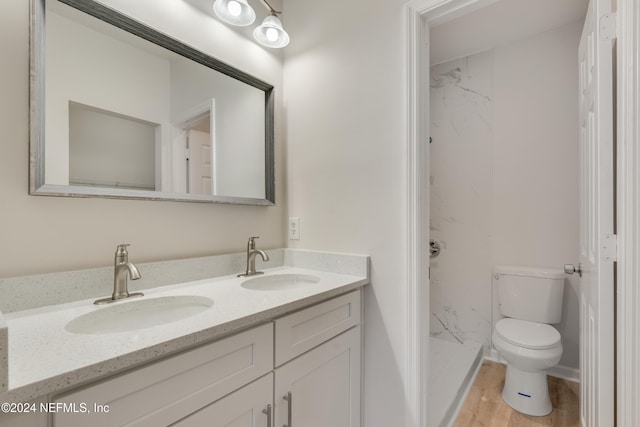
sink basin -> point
(139, 314)
(279, 282)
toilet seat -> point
(523, 333)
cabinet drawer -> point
(167, 391)
(305, 329)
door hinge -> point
(608, 26)
(609, 248)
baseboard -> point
(565, 372)
(559, 371)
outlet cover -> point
(294, 228)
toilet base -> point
(527, 392)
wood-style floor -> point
(484, 405)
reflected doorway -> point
(200, 157)
(196, 138)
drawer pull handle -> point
(267, 412)
(287, 397)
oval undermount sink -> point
(139, 314)
(279, 282)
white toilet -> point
(530, 298)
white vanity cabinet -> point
(317, 375)
(311, 357)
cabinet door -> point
(248, 407)
(322, 387)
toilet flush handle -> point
(570, 269)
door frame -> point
(418, 15)
(627, 221)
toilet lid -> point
(533, 335)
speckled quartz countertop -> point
(45, 358)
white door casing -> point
(597, 239)
(420, 14)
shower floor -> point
(452, 367)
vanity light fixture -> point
(271, 33)
(238, 12)
(234, 12)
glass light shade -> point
(234, 12)
(271, 33)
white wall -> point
(46, 234)
(345, 101)
(504, 178)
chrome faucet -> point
(251, 258)
(122, 270)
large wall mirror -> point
(119, 109)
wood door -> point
(597, 239)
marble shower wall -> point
(461, 189)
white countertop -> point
(45, 358)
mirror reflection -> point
(125, 117)
(107, 149)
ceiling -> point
(500, 23)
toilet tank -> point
(528, 293)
